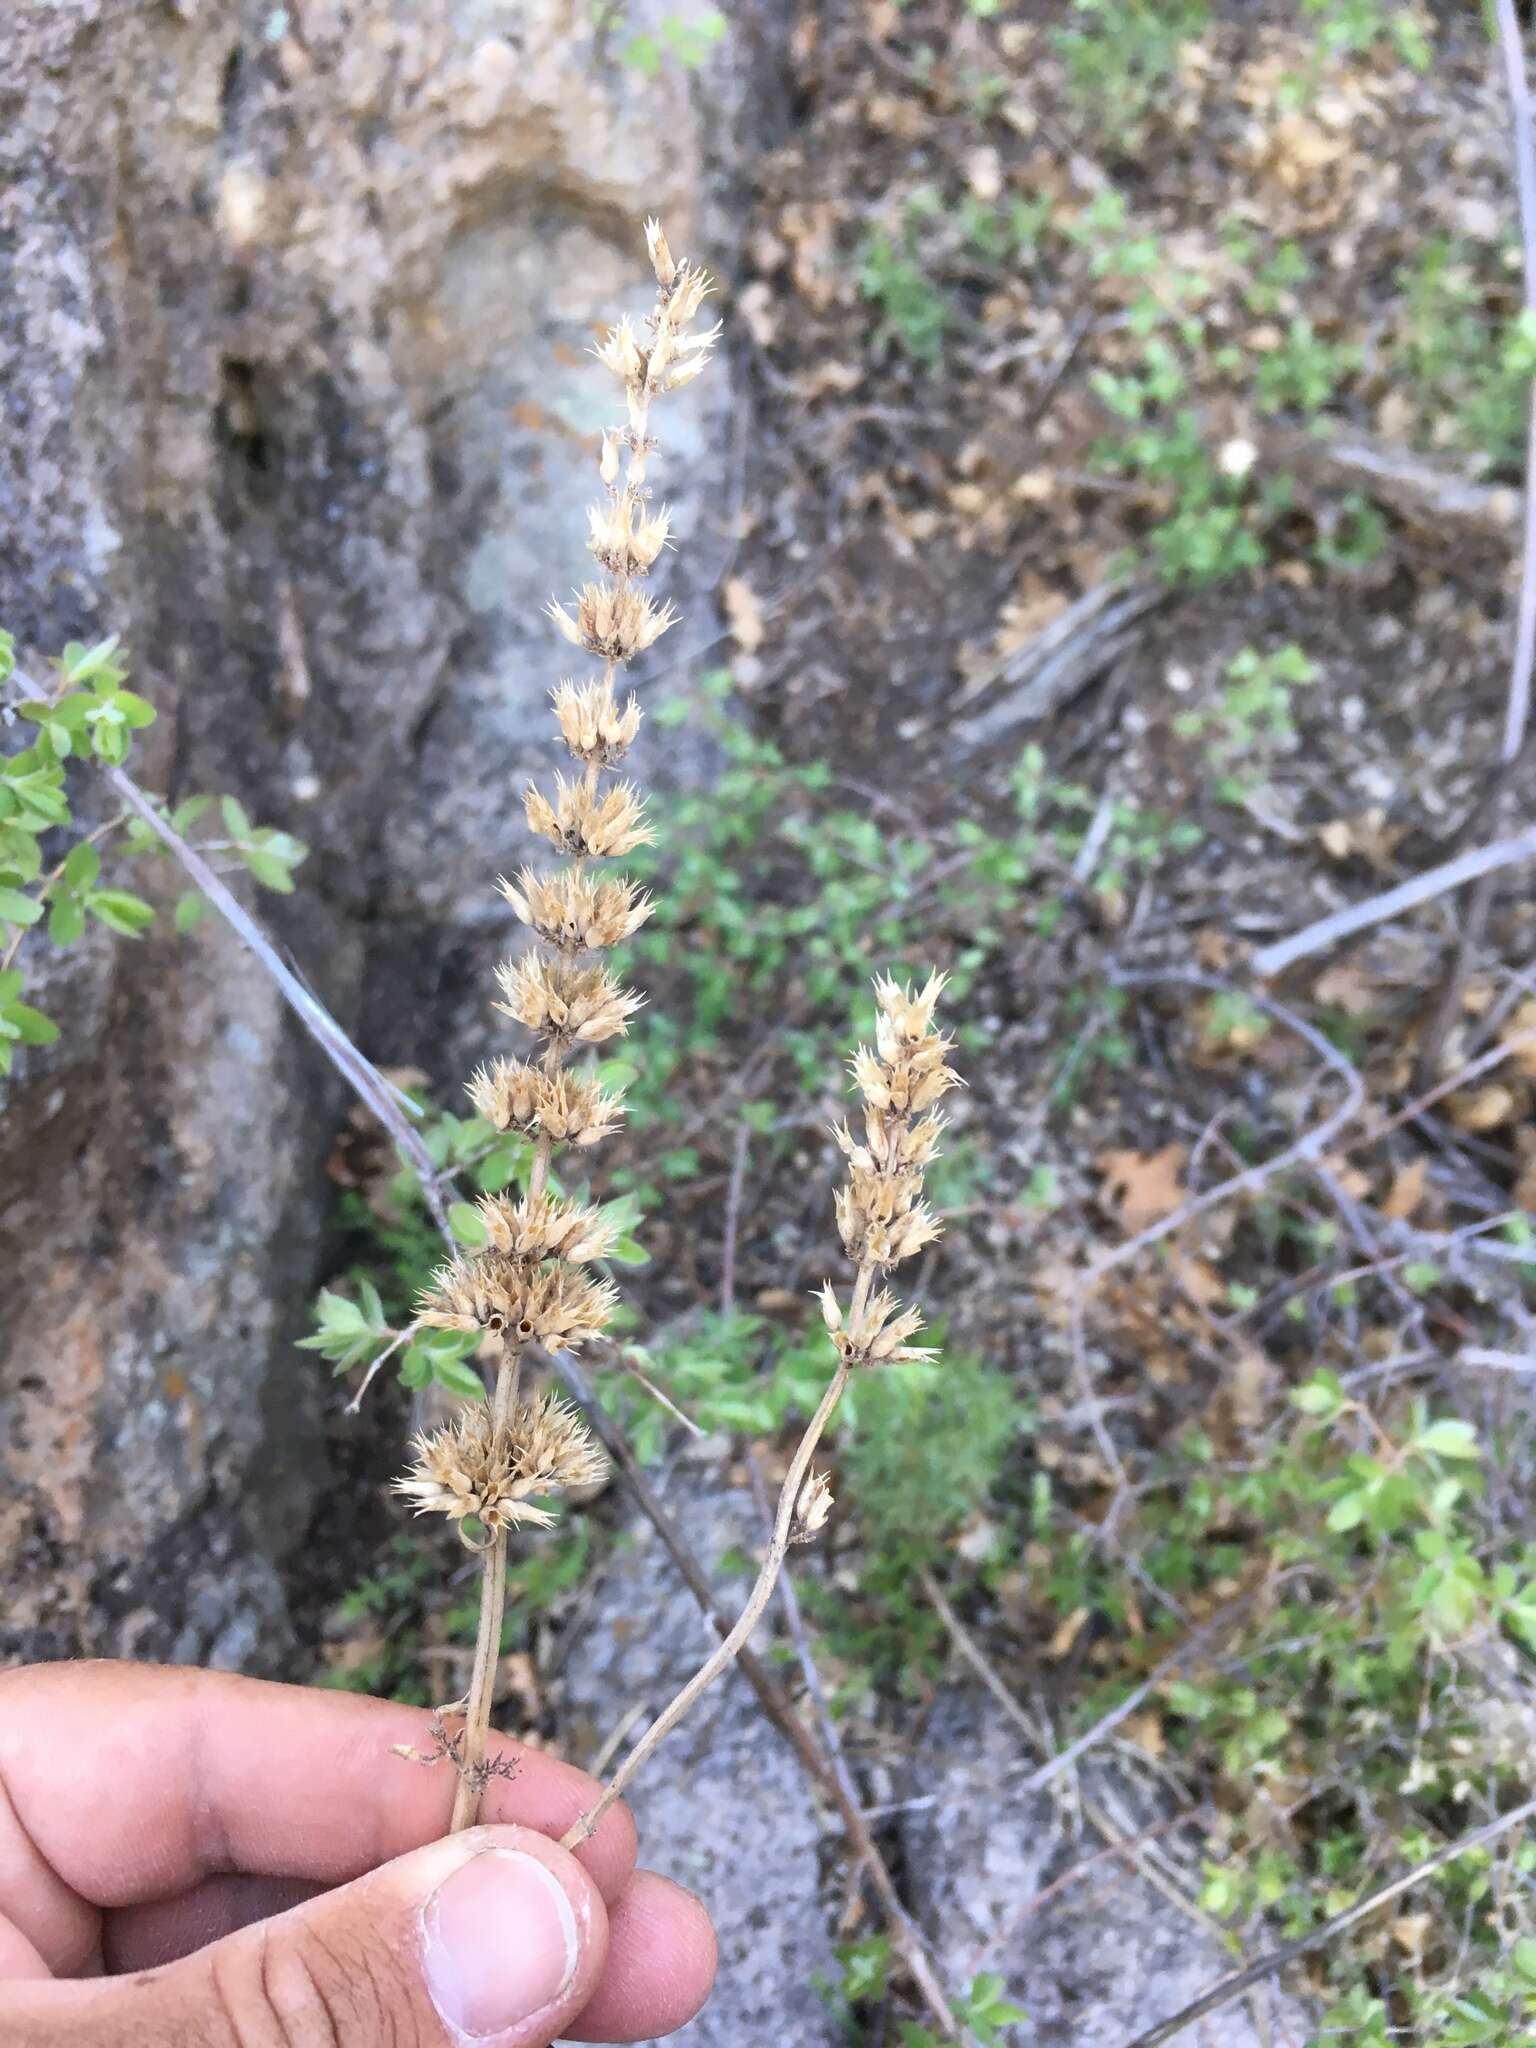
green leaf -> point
(336, 1313)
(136, 713)
(629, 1253)
(82, 867)
(18, 909)
(91, 665)
(372, 1306)
(459, 1378)
(272, 872)
(501, 1165)
(121, 912)
(66, 920)
(1449, 1439)
(236, 821)
(109, 743)
(188, 913)
(187, 813)
(467, 1224)
(1321, 1395)
(30, 1025)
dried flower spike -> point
(883, 1220)
(529, 1282)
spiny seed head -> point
(472, 1467)
(575, 914)
(626, 544)
(881, 1213)
(813, 1507)
(880, 1336)
(890, 1143)
(599, 825)
(612, 620)
(884, 1328)
(691, 356)
(909, 1016)
(565, 1004)
(878, 1226)
(619, 351)
(570, 1109)
(501, 1295)
(909, 1082)
(690, 288)
(660, 254)
(592, 725)
(543, 1227)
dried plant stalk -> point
(487, 1469)
(883, 1220)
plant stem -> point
(482, 1685)
(364, 1079)
(493, 1602)
(722, 1658)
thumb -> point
(494, 1938)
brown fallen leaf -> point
(1067, 1633)
(1483, 1109)
(1346, 987)
(1146, 1731)
(1406, 1191)
(1141, 1188)
(1519, 1034)
(743, 614)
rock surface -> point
(294, 309)
(723, 1807)
(1102, 1960)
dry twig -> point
(1517, 709)
(1230, 1988)
(1327, 931)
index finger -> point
(122, 1783)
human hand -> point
(191, 1858)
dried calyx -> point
(492, 1473)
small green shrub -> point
(1121, 58)
(84, 715)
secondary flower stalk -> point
(883, 1220)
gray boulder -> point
(295, 311)
(1102, 1959)
(724, 1807)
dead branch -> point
(1229, 1988)
(1517, 709)
(1308, 1147)
(1060, 661)
(1358, 917)
(1424, 494)
(360, 1075)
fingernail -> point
(499, 1943)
